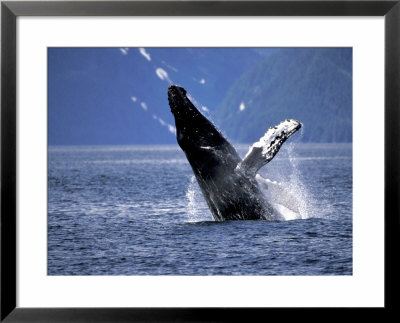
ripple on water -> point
(143, 218)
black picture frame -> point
(10, 10)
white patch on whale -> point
(285, 204)
(272, 136)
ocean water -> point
(137, 210)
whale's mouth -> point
(176, 97)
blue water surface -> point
(137, 210)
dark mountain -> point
(312, 85)
(119, 95)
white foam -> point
(286, 204)
(286, 213)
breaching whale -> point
(227, 182)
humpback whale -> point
(227, 182)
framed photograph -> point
(197, 161)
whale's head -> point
(196, 135)
(187, 117)
(193, 129)
(178, 101)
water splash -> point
(287, 205)
(310, 207)
(197, 209)
(296, 187)
(289, 197)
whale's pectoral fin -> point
(262, 151)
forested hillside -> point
(311, 85)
